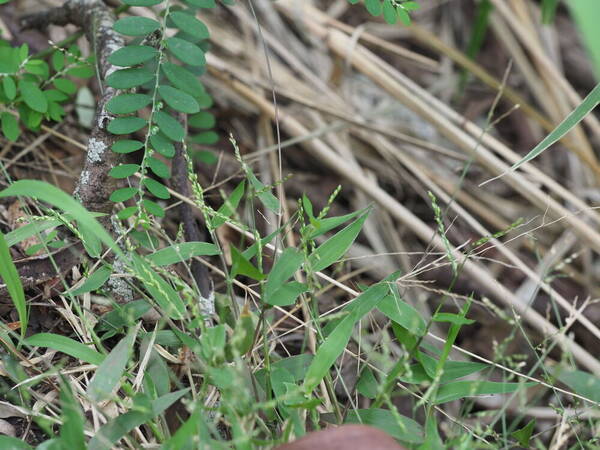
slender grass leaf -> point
(10, 276)
(399, 427)
(71, 430)
(132, 55)
(322, 226)
(67, 346)
(286, 294)
(180, 252)
(94, 282)
(334, 344)
(452, 369)
(159, 289)
(402, 313)
(284, 268)
(576, 116)
(264, 193)
(136, 26)
(586, 15)
(473, 388)
(336, 246)
(109, 373)
(118, 427)
(230, 205)
(455, 319)
(93, 233)
(242, 266)
(582, 383)
(31, 229)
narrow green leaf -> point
(396, 425)
(132, 55)
(230, 205)
(186, 51)
(128, 78)
(336, 246)
(523, 435)
(189, 24)
(473, 388)
(264, 193)
(241, 266)
(576, 116)
(67, 346)
(12, 443)
(180, 252)
(286, 265)
(136, 26)
(126, 125)
(404, 314)
(71, 429)
(95, 281)
(178, 100)
(128, 103)
(582, 383)
(169, 126)
(109, 373)
(334, 344)
(10, 276)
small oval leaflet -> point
(189, 24)
(126, 146)
(162, 145)
(156, 188)
(123, 194)
(132, 55)
(128, 103)
(136, 26)
(183, 79)
(178, 100)
(128, 78)
(124, 170)
(169, 126)
(186, 51)
(126, 125)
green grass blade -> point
(67, 346)
(586, 14)
(10, 275)
(576, 116)
(473, 388)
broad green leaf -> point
(286, 265)
(162, 145)
(158, 167)
(336, 246)
(186, 51)
(67, 346)
(523, 435)
(10, 277)
(180, 252)
(73, 422)
(473, 388)
(169, 126)
(116, 428)
(242, 266)
(128, 78)
(160, 290)
(94, 281)
(576, 116)
(123, 171)
(10, 126)
(583, 383)
(107, 376)
(33, 96)
(128, 103)
(189, 24)
(178, 100)
(263, 192)
(132, 55)
(126, 146)
(126, 125)
(183, 79)
(402, 313)
(136, 26)
(11, 443)
(399, 427)
(93, 233)
(286, 294)
(334, 344)
(156, 188)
